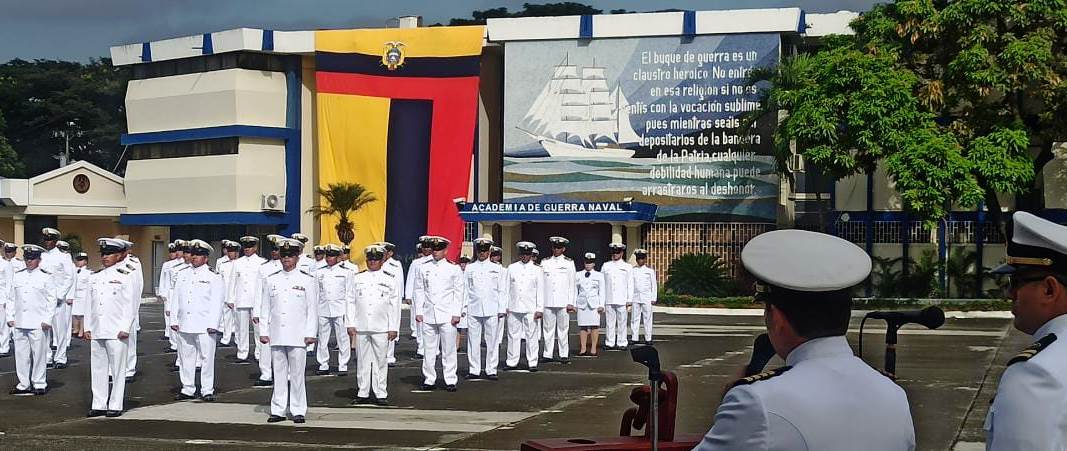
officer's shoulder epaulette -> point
(209, 268)
(266, 261)
(761, 376)
(44, 270)
(362, 271)
(275, 272)
(305, 272)
(122, 271)
(387, 273)
(567, 258)
(1035, 348)
(23, 269)
(130, 266)
(183, 268)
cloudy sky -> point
(83, 29)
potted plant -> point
(343, 199)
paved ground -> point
(949, 375)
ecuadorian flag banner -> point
(397, 112)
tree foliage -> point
(10, 166)
(341, 200)
(703, 275)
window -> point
(201, 148)
(207, 63)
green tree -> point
(343, 199)
(10, 166)
(703, 275)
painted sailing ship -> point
(579, 115)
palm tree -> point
(343, 199)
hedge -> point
(681, 300)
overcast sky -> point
(83, 29)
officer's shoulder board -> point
(761, 376)
(361, 271)
(275, 272)
(567, 258)
(305, 272)
(1035, 348)
(23, 269)
(265, 261)
(44, 270)
(130, 266)
(386, 273)
(209, 268)
(122, 271)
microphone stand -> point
(891, 348)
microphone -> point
(762, 352)
(932, 317)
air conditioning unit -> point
(273, 202)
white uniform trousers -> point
(371, 366)
(439, 338)
(556, 324)
(31, 352)
(196, 347)
(61, 329)
(229, 324)
(107, 356)
(5, 333)
(501, 326)
(131, 349)
(172, 335)
(390, 355)
(522, 326)
(344, 352)
(264, 356)
(641, 314)
(240, 336)
(615, 321)
(480, 327)
(289, 363)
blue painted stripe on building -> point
(585, 28)
(146, 52)
(293, 82)
(689, 23)
(225, 131)
(207, 48)
(268, 40)
(220, 217)
(803, 25)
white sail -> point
(625, 132)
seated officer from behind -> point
(1029, 411)
(825, 398)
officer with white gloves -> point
(485, 308)
(197, 309)
(524, 290)
(438, 298)
(288, 314)
(590, 306)
(1028, 411)
(646, 290)
(825, 398)
(30, 312)
(373, 320)
(393, 268)
(110, 305)
(242, 290)
(559, 299)
(619, 290)
(425, 251)
(335, 293)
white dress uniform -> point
(306, 263)
(619, 290)
(645, 294)
(288, 313)
(109, 308)
(525, 294)
(335, 293)
(374, 312)
(242, 292)
(409, 294)
(263, 351)
(319, 264)
(393, 268)
(438, 297)
(828, 400)
(80, 290)
(168, 306)
(17, 263)
(224, 266)
(137, 278)
(485, 303)
(6, 274)
(166, 282)
(33, 303)
(559, 294)
(61, 265)
(197, 304)
(591, 294)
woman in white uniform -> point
(590, 305)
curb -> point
(855, 313)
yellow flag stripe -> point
(418, 42)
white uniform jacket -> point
(33, 298)
(335, 290)
(646, 290)
(7, 274)
(163, 287)
(244, 285)
(198, 300)
(559, 281)
(175, 279)
(80, 290)
(439, 291)
(289, 311)
(591, 290)
(828, 400)
(136, 275)
(109, 302)
(524, 288)
(409, 284)
(393, 268)
(619, 282)
(375, 303)
(485, 289)
(306, 263)
(61, 265)
(1029, 411)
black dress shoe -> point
(163, 338)
(113, 413)
(510, 368)
(263, 383)
(381, 402)
(322, 372)
(50, 365)
(243, 362)
(173, 368)
(361, 400)
(472, 376)
(298, 419)
(564, 360)
(341, 373)
(275, 419)
(208, 398)
(182, 397)
(548, 359)
(450, 388)
(95, 413)
(20, 391)
(39, 391)
(130, 379)
(427, 387)
(492, 377)
(532, 369)
(61, 366)
(169, 350)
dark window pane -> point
(181, 149)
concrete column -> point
(20, 229)
(510, 233)
(486, 230)
(633, 241)
(616, 233)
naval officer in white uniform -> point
(111, 299)
(825, 398)
(197, 309)
(373, 320)
(438, 304)
(1029, 412)
(485, 307)
(560, 297)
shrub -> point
(701, 275)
